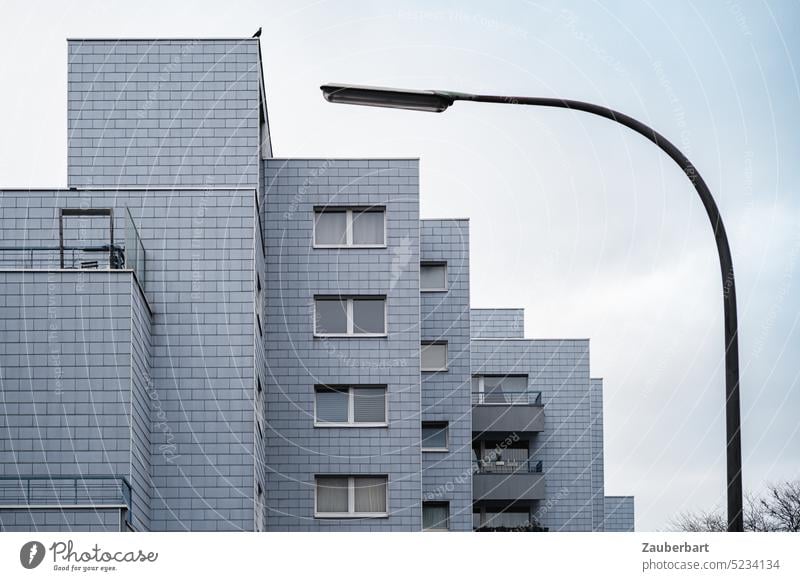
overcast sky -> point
(586, 225)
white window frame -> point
(446, 437)
(446, 356)
(349, 314)
(351, 497)
(434, 263)
(351, 423)
(349, 210)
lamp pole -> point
(439, 101)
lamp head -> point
(431, 101)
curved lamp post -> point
(438, 101)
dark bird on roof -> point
(258, 33)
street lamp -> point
(438, 101)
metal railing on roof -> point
(100, 257)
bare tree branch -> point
(777, 510)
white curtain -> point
(370, 494)
(331, 494)
(330, 227)
(435, 515)
(368, 228)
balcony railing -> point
(64, 491)
(67, 255)
(135, 257)
(101, 257)
(507, 398)
(507, 466)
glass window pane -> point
(331, 494)
(332, 405)
(515, 383)
(434, 435)
(331, 316)
(368, 316)
(370, 494)
(435, 515)
(434, 357)
(369, 404)
(368, 227)
(494, 389)
(330, 227)
(433, 277)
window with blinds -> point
(339, 316)
(363, 406)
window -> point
(350, 406)
(350, 227)
(433, 356)
(503, 390)
(435, 516)
(434, 436)
(433, 276)
(342, 316)
(259, 305)
(351, 496)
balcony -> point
(65, 492)
(507, 412)
(88, 245)
(508, 480)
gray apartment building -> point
(198, 335)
